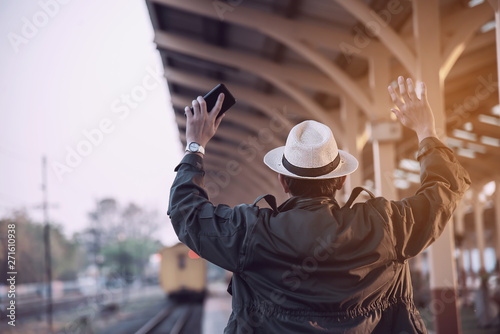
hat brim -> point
(348, 164)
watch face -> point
(193, 147)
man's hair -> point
(312, 188)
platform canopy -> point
(331, 60)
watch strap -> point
(201, 149)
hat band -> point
(311, 172)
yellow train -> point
(183, 274)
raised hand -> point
(201, 124)
(413, 112)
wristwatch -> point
(194, 147)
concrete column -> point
(462, 275)
(459, 219)
(418, 267)
(479, 229)
(470, 245)
(460, 234)
(443, 282)
(417, 275)
(384, 157)
(441, 260)
(384, 153)
(419, 263)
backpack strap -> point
(230, 286)
(270, 199)
(355, 193)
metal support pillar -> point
(418, 269)
(461, 235)
(384, 157)
(384, 153)
(349, 114)
(462, 274)
(470, 247)
(441, 260)
(479, 229)
(469, 274)
(419, 263)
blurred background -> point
(82, 85)
(92, 126)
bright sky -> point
(81, 82)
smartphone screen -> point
(211, 99)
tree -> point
(67, 257)
(127, 258)
(122, 237)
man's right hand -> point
(412, 112)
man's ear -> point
(283, 183)
(342, 182)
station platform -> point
(216, 308)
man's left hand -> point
(202, 125)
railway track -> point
(173, 319)
(39, 306)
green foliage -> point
(67, 258)
(121, 239)
(128, 258)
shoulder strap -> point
(355, 193)
(230, 286)
(270, 199)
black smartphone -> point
(211, 99)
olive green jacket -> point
(310, 266)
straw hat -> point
(311, 152)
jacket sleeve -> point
(417, 221)
(216, 233)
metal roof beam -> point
(231, 195)
(300, 77)
(248, 151)
(235, 115)
(249, 172)
(285, 78)
(287, 32)
(329, 38)
(264, 175)
(480, 41)
(462, 33)
(473, 62)
(268, 104)
(270, 137)
(254, 162)
(385, 33)
(219, 171)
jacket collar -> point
(308, 203)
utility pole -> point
(46, 238)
